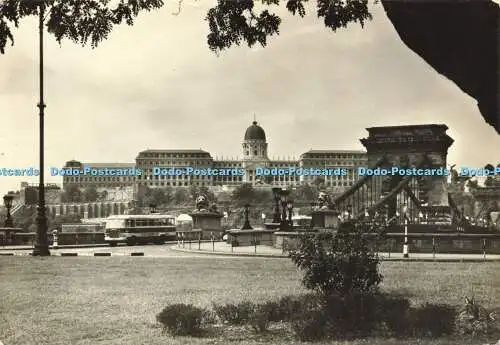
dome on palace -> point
(255, 132)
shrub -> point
(273, 311)
(235, 314)
(342, 263)
(475, 320)
(394, 312)
(310, 325)
(261, 317)
(289, 307)
(433, 320)
(351, 316)
(183, 319)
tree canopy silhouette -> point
(230, 22)
(432, 29)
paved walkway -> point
(218, 250)
(222, 248)
(72, 246)
(28, 247)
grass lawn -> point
(114, 300)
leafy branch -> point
(230, 22)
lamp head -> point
(7, 200)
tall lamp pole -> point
(284, 201)
(405, 245)
(277, 197)
(42, 245)
(246, 225)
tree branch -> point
(179, 9)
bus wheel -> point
(131, 241)
(113, 244)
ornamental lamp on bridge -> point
(246, 225)
(289, 206)
(284, 202)
(405, 245)
(7, 201)
(277, 198)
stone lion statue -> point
(324, 201)
(201, 203)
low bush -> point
(311, 325)
(394, 312)
(261, 317)
(183, 319)
(353, 316)
(235, 314)
(272, 310)
(473, 319)
(291, 307)
(433, 320)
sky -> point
(157, 85)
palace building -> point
(254, 159)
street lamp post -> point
(7, 201)
(405, 245)
(42, 245)
(246, 225)
(277, 197)
(289, 206)
(284, 202)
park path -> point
(221, 250)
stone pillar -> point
(414, 142)
(325, 219)
(207, 222)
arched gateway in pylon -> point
(414, 179)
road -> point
(151, 251)
(223, 251)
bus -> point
(139, 229)
(88, 227)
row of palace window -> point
(215, 164)
(175, 184)
(335, 156)
(174, 155)
(184, 184)
(214, 178)
(175, 164)
(100, 179)
(323, 163)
